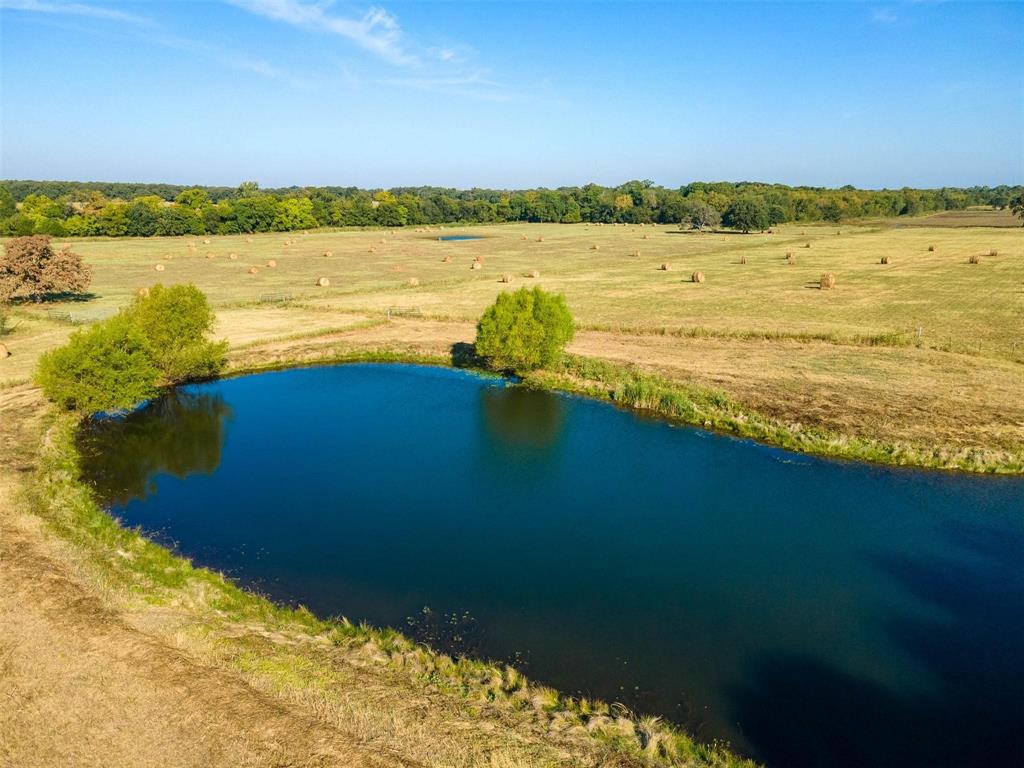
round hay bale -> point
(413, 282)
(476, 265)
(807, 246)
(523, 237)
(595, 247)
(206, 241)
(975, 259)
(323, 282)
(142, 293)
(540, 239)
(697, 277)
(382, 240)
(884, 260)
(328, 254)
(210, 256)
(372, 249)
(993, 253)
(4, 352)
(791, 258)
(635, 254)
(506, 278)
(253, 270)
(271, 264)
(827, 282)
(248, 239)
(447, 259)
(665, 266)
(159, 267)
(743, 259)
(931, 248)
(534, 273)
(645, 237)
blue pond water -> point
(812, 613)
(456, 238)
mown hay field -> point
(976, 307)
(927, 346)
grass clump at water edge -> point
(134, 569)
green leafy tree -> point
(7, 204)
(248, 189)
(1017, 206)
(524, 330)
(107, 368)
(175, 322)
(748, 213)
(195, 198)
(699, 215)
(294, 213)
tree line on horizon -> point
(66, 208)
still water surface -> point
(810, 612)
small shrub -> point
(106, 368)
(524, 330)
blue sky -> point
(512, 94)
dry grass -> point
(976, 313)
(115, 653)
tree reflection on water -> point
(181, 434)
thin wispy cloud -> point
(376, 30)
(884, 16)
(472, 85)
(74, 9)
(231, 59)
(225, 57)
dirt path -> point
(79, 686)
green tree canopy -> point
(175, 321)
(104, 369)
(748, 213)
(524, 330)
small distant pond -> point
(457, 238)
(810, 612)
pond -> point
(810, 612)
(457, 238)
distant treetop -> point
(71, 208)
